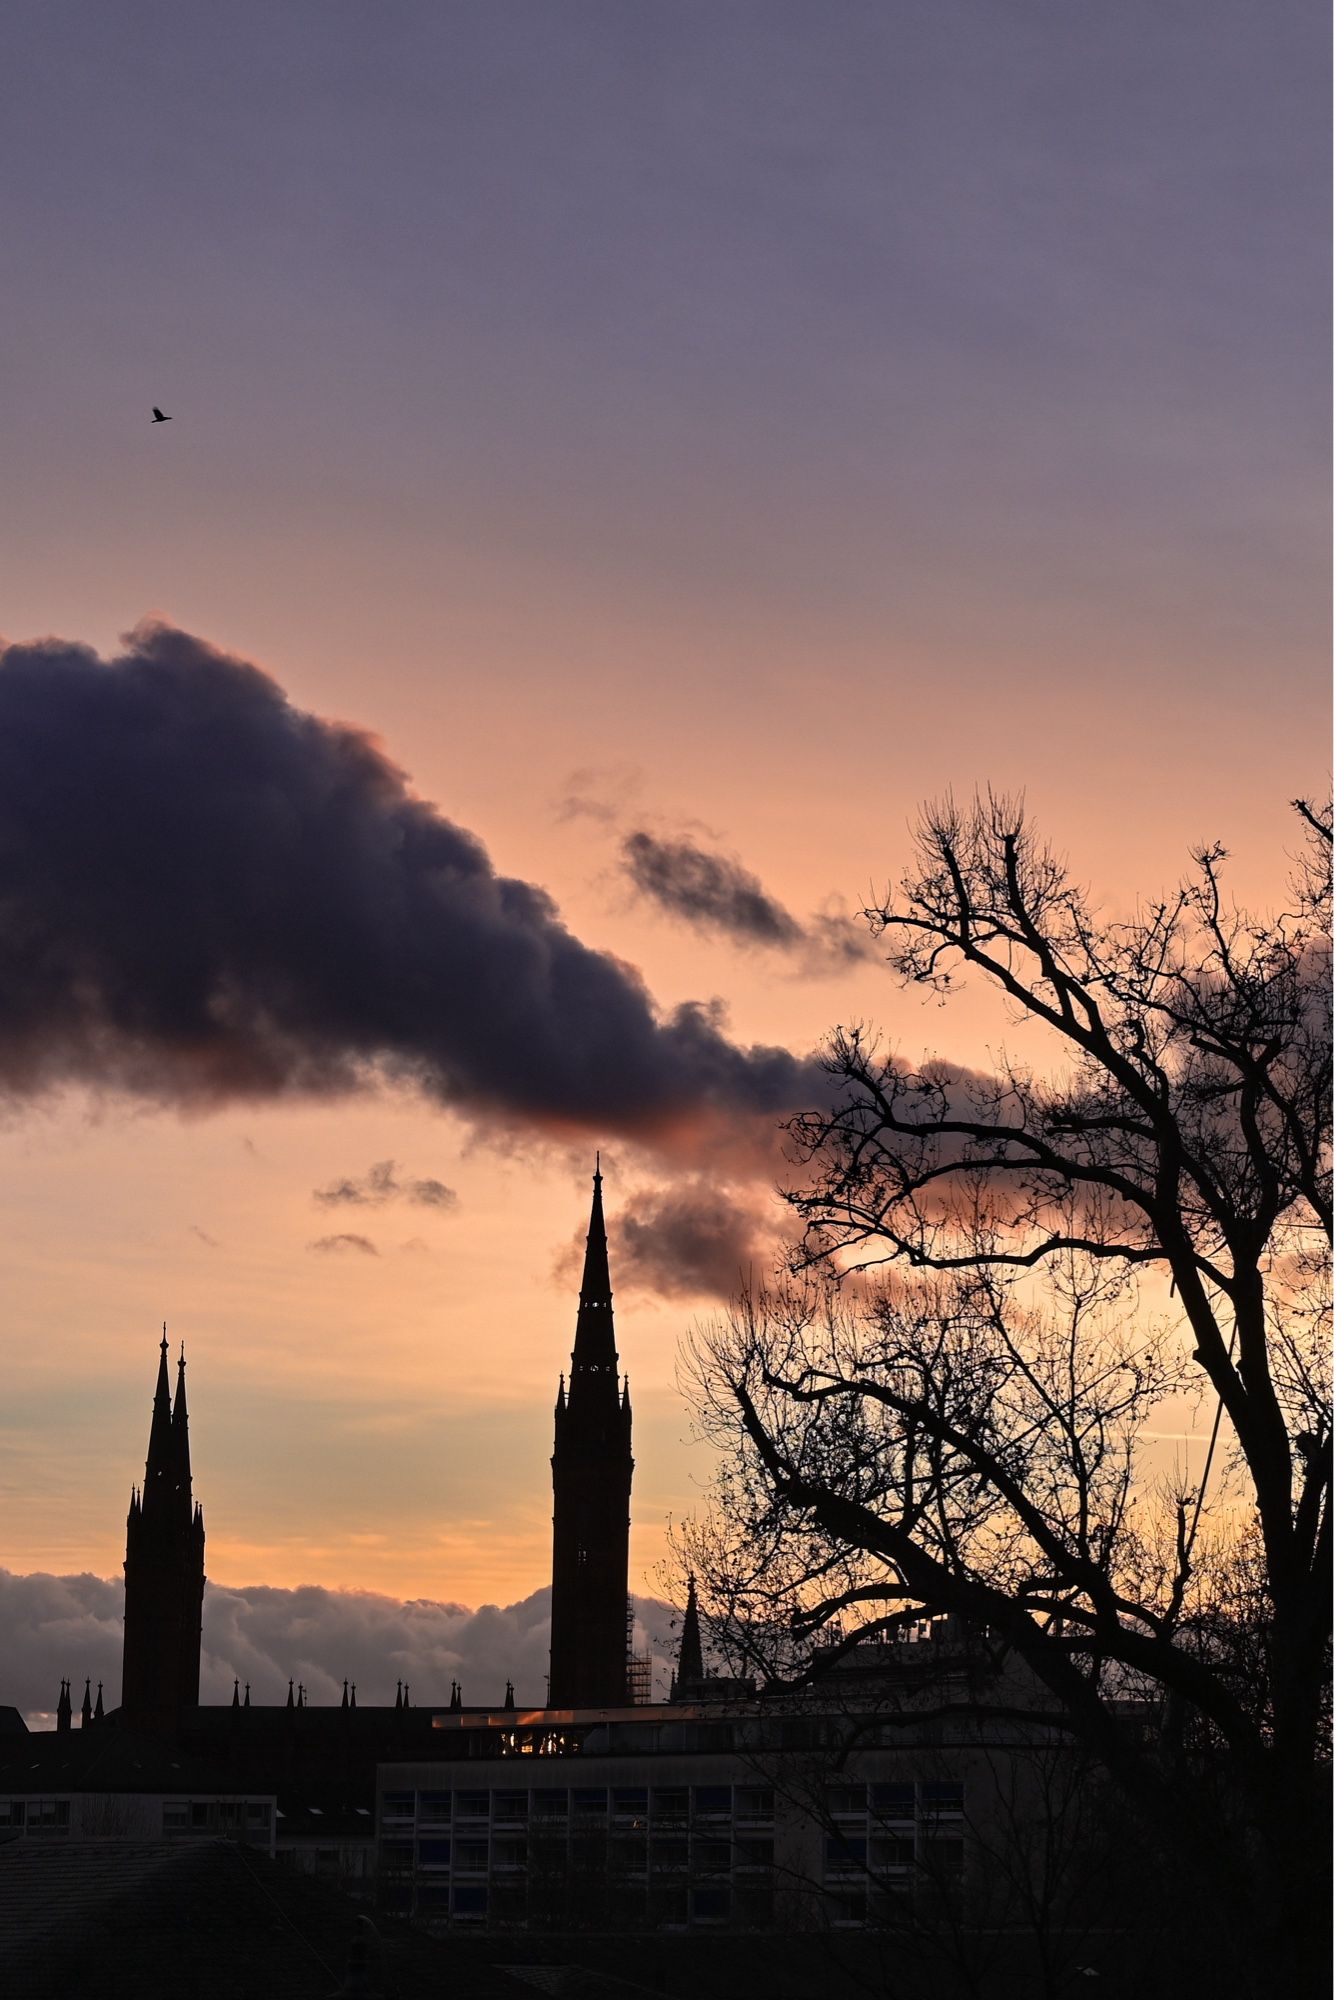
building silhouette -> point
(164, 1570)
(592, 1662)
(591, 1469)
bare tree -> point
(961, 1432)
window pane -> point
(893, 1801)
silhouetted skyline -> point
(634, 456)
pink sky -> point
(749, 425)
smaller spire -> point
(301, 1694)
(345, 1702)
(353, 1702)
(63, 1708)
(690, 1658)
(509, 1694)
(86, 1713)
(398, 1697)
(98, 1710)
(236, 1693)
(291, 1698)
(246, 1702)
(455, 1697)
(406, 1702)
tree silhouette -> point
(1000, 1277)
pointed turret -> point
(690, 1658)
(508, 1702)
(246, 1702)
(291, 1694)
(236, 1693)
(64, 1709)
(98, 1710)
(345, 1700)
(86, 1712)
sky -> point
(622, 460)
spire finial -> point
(597, 1168)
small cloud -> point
(597, 792)
(714, 892)
(204, 1237)
(431, 1194)
(380, 1184)
(345, 1241)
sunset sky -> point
(667, 430)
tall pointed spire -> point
(86, 1713)
(180, 1440)
(591, 1470)
(64, 1710)
(690, 1659)
(594, 1362)
(158, 1474)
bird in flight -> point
(158, 417)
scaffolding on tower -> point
(638, 1666)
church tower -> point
(590, 1476)
(164, 1570)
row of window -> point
(671, 1906)
(897, 1801)
(216, 1815)
(34, 1815)
(630, 1855)
(850, 1854)
(662, 1804)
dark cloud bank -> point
(72, 1625)
(207, 895)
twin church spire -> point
(164, 1567)
(591, 1469)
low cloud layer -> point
(211, 895)
(70, 1626)
(346, 1239)
(714, 892)
(381, 1184)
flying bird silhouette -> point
(158, 417)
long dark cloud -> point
(708, 889)
(382, 1183)
(715, 892)
(207, 894)
(71, 1626)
